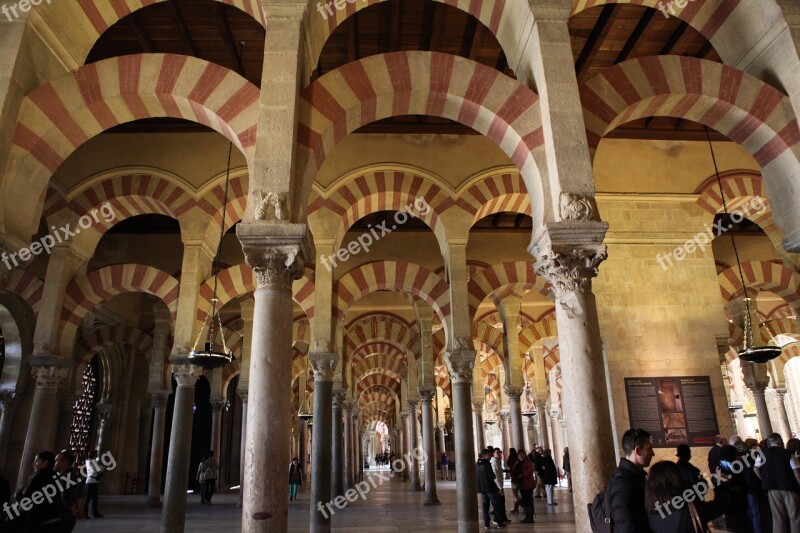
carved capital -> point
(276, 267)
(347, 406)
(159, 399)
(242, 394)
(513, 393)
(504, 416)
(460, 364)
(338, 398)
(576, 207)
(324, 365)
(217, 405)
(780, 392)
(49, 377)
(427, 395)
(404, 415)
(185, 374)
(570, 272)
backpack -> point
(600, 513)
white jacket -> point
(497, 468)
(92, 471)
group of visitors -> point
(527, 472)
(382, 459)
(755, 487)
(50, 502)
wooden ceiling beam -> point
(428, 16)
(594, 42)
(468, 37)
(475, 46)
(636, 36)
(674, 38)
(227, 35)
(394, 25)
(707, 48)
(183, 27)
(352, 39)
(135, 22)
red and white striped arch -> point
(377, 379)
(103, 337)
(510, 21)
(442, 376)
(26, 286)
(301, 331)
(399, 276)
(240, 280)
(490, 362)
(419, 83)
(380, 395)
(382, 326)
(57, 118)
(85, 293)
(80, 23)
(743, 108)
(493, 192)
(385, 190)
(379, 362)
(519, 274)
(764, 276)
(386, 349)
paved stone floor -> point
(388, 508)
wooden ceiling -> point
(601, 37)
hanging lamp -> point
(749, 351)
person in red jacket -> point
(523, 474)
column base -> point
(415, 488)
(154, 504)
(432, 502)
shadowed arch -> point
(100, 338)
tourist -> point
(45, 516)
(497, 468)
(512, 460)
(93, 473)
(206, 476)
(664, 484)
(486, 486)
(625, 491)
(523, 473)
(781, 484)
(64, 466)
(295, 478)
(566, 465)
(445, 466)
(689, 472)
(537, 467)
(549, 475)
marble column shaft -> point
(173, 516)
(337, 445)
(515, 420)
(762, 412)
(324, 365)
(480, 439)
(347, 413)
(413, 445)
(242, 443)
(506, 432)
(429, 446)
(783, 416)
(43, 418)
(157, 449)
(105, 414)
(442, 441)
(265, 498)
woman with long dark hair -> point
(511, 460)
(667, 514)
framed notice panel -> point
(673, 409)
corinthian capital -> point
(427, 395)
(186, 375)
(275, 252)
(48, 377)
(324, 365)
(570, 270)
(460, 363)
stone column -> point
(173, 516)
(43, 417)
(302, 451)
(426, 396)
(505, 431)
(570, 268)
(412, 446)
(157, 448)
(515, 420)
(442, 441)
(783, 416)
(555, 432)
(105, 413)
(404, 448)
(756, 379)
(337, 444)
(347, 414)
(460, 361)
(527, 427)
(274, 254)
(541, 424)
(480, 440)
(324, 364)
(8, 404)
(242, 443)
(216, 434)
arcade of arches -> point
(448, 224)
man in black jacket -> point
(487, 486)
(779, 482)
(625, 490)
